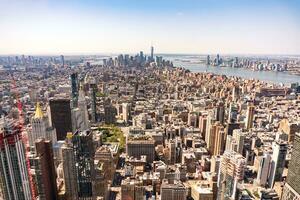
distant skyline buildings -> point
(208, 27)
(135, 126)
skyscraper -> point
(263, 170)
(233, 111)
(291, 189)
(209, 124)
(62, 60)
(235, 93)
(83, 110)
(208, 60)
(218, 62)
(45, 173)
(74, 88)
(69, 169)
(278, 162)
(239, 138)
(220, 141)
(202, 125)
(61, 117)
(152, 53)
(78, 165)
(250, 116)
(41, 127)
(125, 112)
(14, 177)
(231, 173)
(92, 92)
(84, 152)
(219, 112)
(110, 113)
(216, 139)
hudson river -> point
(267, 76)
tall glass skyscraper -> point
(291, 189)
(14, 179)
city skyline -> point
(194, 27)
(150, 127)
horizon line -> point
(159, 53)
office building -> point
(45, 173)
(152, 54)
(209, 130)
(216, 139)
(125, 112)
(69, 170)
(250, 116)
(208, 60)
(290, 128)
(92, 92)
(74, 89)
(263, 170)
(141, 146)
(193, 119)
(277, 162)
(132, 189)
(239, 138)
(80, 117)
(176, 191)
(235, 142)
(110, 113)
(62, 60)
(230, 127)
(82, 105)
(219, 112)
(15, 180)
(171, 145)
(41, 127)
(220, 141)
(233, 112)
(61, 116)
(236, 93)
(291, 189)
(218, 61)
(201, 191)
(127, 191)
(78, 165)
(202, 125)
(231, 173)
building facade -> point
(14, 177)
(291, 189)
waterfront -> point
(190, 63)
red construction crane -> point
(24, 138)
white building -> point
(263, 171)
(41, 128)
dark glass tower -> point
(78, 164)
(61, 117)
(74, 88)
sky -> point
(129, 26)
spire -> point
(38, 111)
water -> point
(267, 76)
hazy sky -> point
(172, 26)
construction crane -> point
(24, 137)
